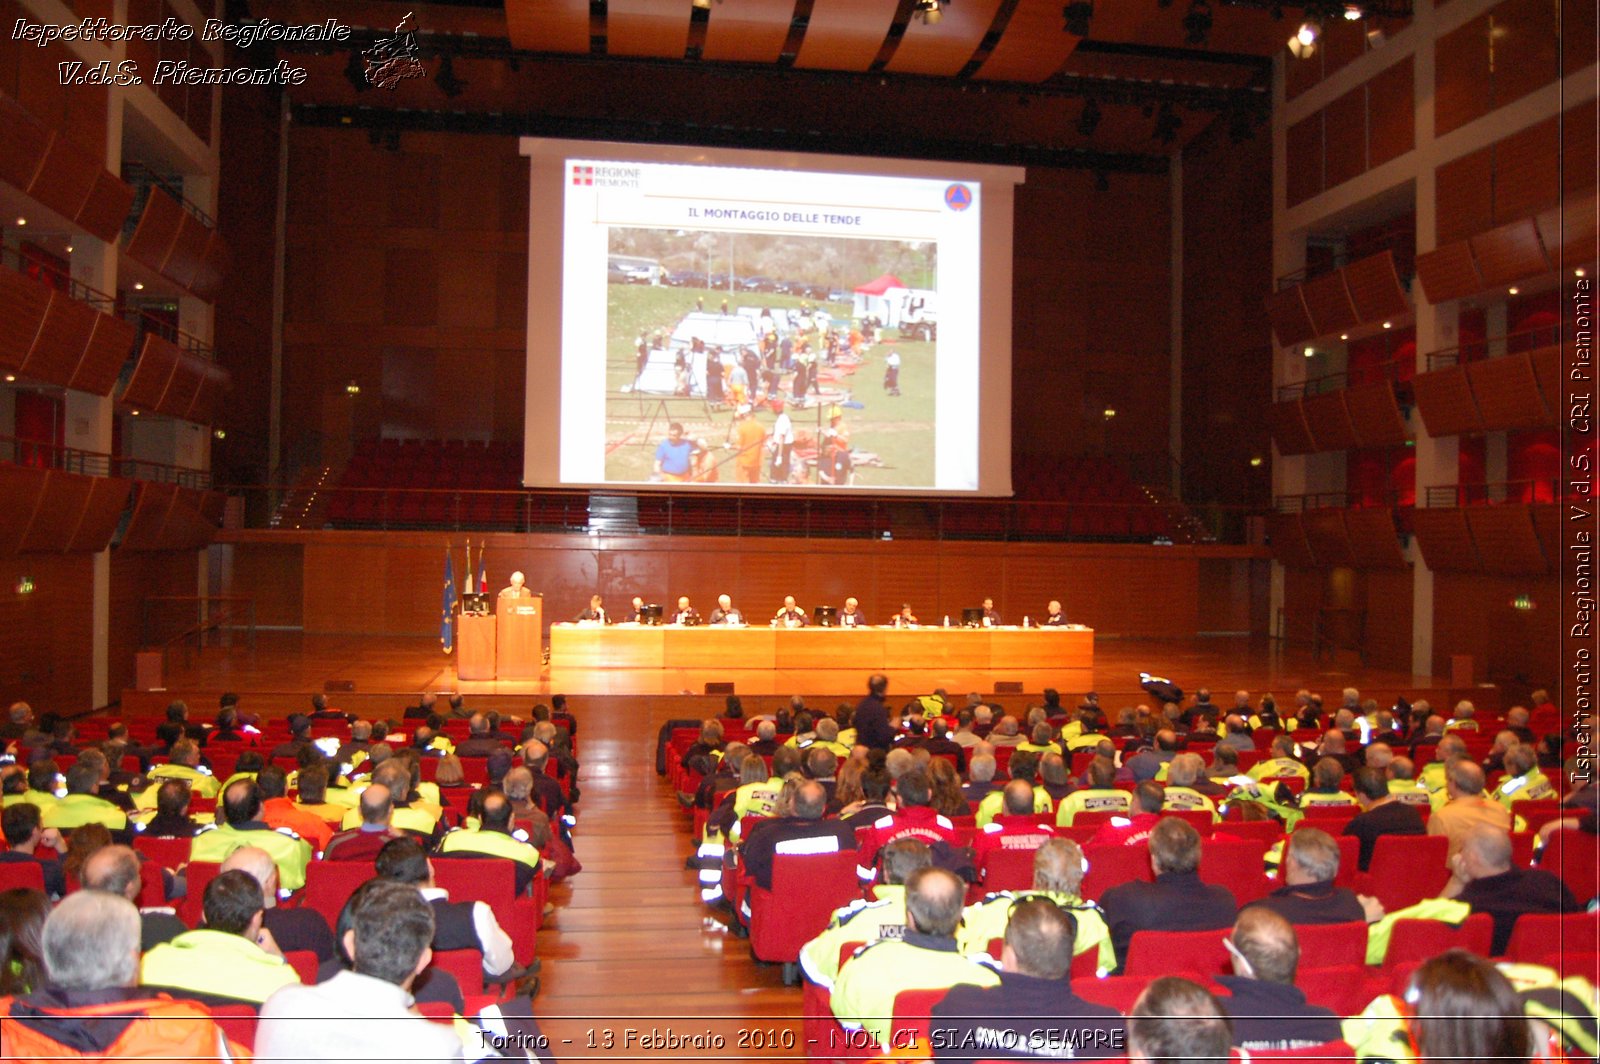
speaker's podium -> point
(519, 637)
(475, 650)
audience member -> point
(366, 1013)
(1176, 901)
(1383, 813)
(1491, 884)
(22, 917)
(1309, 895)
(292, 929)
(1176, 1021)
(232, 957)
(1058, 869)
(1003, 1021)
(116, 870)
(867, 921)
(1267, 1010)
(457, 925)
(27, 842)
(242, 826)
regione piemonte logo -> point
(583, 175)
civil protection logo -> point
(958, 197)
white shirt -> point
(350, 1017)
(492, 939)
(782, 430)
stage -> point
(379, 675)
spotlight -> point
(1344, 336)
(1089, 119)
(1388, 325)
(1376, 38)
(929, 11)
(703, 5)
(138, 286)
(11, 378)
(1168, 122)
(1311, 352)
(352, 389)
(1353, 13)
(1255, 462)
(1303, 44)
(220, 434)
(355, 72)
(1108, 413)
(69, 249)
(446, 79)
(1513, 290)
(1197, 22)
(22, 221)
(1580, 272)
(1077, 16)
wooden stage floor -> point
(371, 674)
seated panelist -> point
(851, 616)
(790, 616)
(685, 614)
(1054, 617)
(905, 618)
(726, 613)
(596, 611)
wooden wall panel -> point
(45, 655)
(1373, 541)
(1508, 253)
(1329, 303)
(1391, 114)
(1305, 159)
(136, 577)
(1326, 534)
(109, 347)
(23, 302)
(60, 510)
(1526, 47)
(1345, 137)
(1287, 536)
(26, 139)
(1374, 287)
(389, 582)
(1449, 272)
(108, 499)
(152, 502)
(1473, 615)
(158, 361)
(1289, 430)
(1508, 394)
(1527, 172)
(1388, 618)
(1464, 189)
(1375, 415)
(1464, 82)
(1329, 421)
(21, 488)
(1444, 398)
(157, 229)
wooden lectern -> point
(519, 638)
(475, 649)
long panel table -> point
(856, 650)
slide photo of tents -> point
(810, 321)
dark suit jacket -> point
(1390, 818)
(1176, 901)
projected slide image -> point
(787, 359)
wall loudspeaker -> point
(342, 687)
(1008, 687)
(725, 688)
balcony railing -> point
(142, 178)
(41, 455)
(1515, 492)
(1510, 343)
(1337, 500)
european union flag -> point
(447, 612)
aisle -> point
(629, 937)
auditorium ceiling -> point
(1008, 79)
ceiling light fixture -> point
(929, 11)
(1303, 45)
(1354, 13)
(1310, 352)
(1388, 325)
(1344, 336)
(1077, 16)
(138, 286)
(1580, 272)
(1513, 290)
(22, 221)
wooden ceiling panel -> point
(752, 31)
(1375, 415)
(945, 46)
(1329, 421)
(652, 29)
(1373, 542)
(1033, 46)
(845, 34)
(1445, 540)
(1291, 322)
(1445, 400)
(548, 25)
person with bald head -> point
(242, 826)
(292, 929)
(1491, 884)
(1268, 1011)
(923, 957)
(1467, 807)
(1017, 826)
(116, 870)
(803, 832)
(492, 838)
(362, 842)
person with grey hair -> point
(365, 1013)
(1178, 1020)
(1492, 884)
(1524, 782)
(1326, 776)
(292, 929)
(116, 870)
(803, 831)
(980, 777)
(1058, 869)
(766, 741)
(1267, 1010)
(1183, 772)
(1308, 894)
(91, 954)
(1177, 900)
